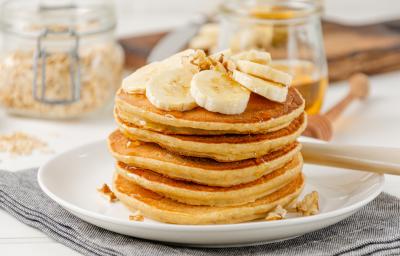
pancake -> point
(158, 207)
(199, 170)
(168, 129)
(194, 194)
(223, 148)
(260, 115)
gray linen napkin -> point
(375, 230)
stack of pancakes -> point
(201, 167)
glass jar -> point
(290, 30)
(58, 59)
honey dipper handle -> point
(359, 89)
(363, 158)
(338, 109)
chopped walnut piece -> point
(229, 64)
(203, 62)
(106, 192)
(309, 205)
(218, 66)
(278, 213)
(137, 216)
(225, 60)
(292, 206)
(199, 59)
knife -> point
(176, 41)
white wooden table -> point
(375, 122)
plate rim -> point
(202, 228)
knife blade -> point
(175, 41)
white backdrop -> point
(139, 16)
(143, 16)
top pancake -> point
(261, 114)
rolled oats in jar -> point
(59, 59)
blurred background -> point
(137, 16)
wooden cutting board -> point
(370, 49)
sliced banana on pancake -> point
(225, 53)
(260, 57)
(137, 81)
(264, 71)
(270, 90)
(170, 90)
(176, 59)
(216, 92)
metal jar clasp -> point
(41, 54)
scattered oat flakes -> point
(21, 144)
(106, 191)
(137, 216)
(309, 205)
(278, 213)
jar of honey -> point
(290, 30)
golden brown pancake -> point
(195, 194)
(158, 207)
(168, 129)
(223, 148)
(260, 115)
(199, 170)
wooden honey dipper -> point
(320, 125)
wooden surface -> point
(370, 49)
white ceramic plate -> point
(71, 179)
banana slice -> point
(170, 90)
(260, 57)
(216, 92)
(137, 81)
(224, 53)
(175, 61)
(270, 90)
(265, 72)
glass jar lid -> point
(31, 18)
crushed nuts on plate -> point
(309, 205)
(137, 216)
(107, 193)
(278, 213)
